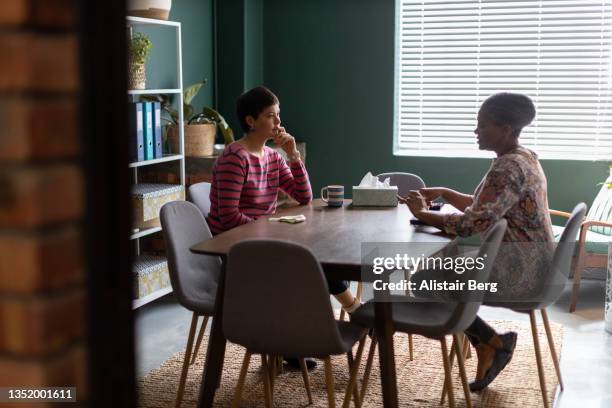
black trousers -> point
(336, 286)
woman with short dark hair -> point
(514, 188)
(248, 175)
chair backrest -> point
(601, 209)
(199, 194)
(404, 182)
(556, 277)
(466, 310)
(194, 277)
(276, 301)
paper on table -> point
(291, 219)
(371, 181)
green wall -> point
(331, 62)
(196, 18)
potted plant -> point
(140, 48)
(200, 128)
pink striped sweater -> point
(244, 186)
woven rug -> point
(419, 381)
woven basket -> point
(199, 139)
(137, 78)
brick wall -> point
(42, 293)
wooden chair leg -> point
(447, 373)
(306, 380)
(181, 387)
(352, 388)
(551, 346)
(578, 272)
(536, 346)
(467, 347)
(410, 347)
(329, 382)
(368, 369)
(266, 381)
(199, 341)
(241, 378)
(350, 361)
(461, 363)
(451, 358)
(272, 371)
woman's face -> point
(267, 123)
(489, 134)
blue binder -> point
(157, 129)
(149, 138)
(136, 132)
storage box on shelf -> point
(158, 179)
(150, 275)
(148, 199)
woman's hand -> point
(285, 141)
(416, 202)
(431, 193)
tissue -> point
(374, 193)
(372, 181)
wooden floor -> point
(586, 358)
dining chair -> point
(595, 232)
(404, 181)
(199, 194)
(276, 303)
(552, 286)
(436, 319)
(194, 277)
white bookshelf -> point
(133, 94)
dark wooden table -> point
(335, 236)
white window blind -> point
(452, 54)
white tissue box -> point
(375, 197)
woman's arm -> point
(458, 200)
(229, 175)
(293, 180)
(500, 191)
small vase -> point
(137, 76)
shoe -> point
(295, 363)
(508, 341)
(500, 361)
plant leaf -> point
(191, 91)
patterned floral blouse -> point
(513, 188)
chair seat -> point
(595, 242)
(424, 318)
(350, 333)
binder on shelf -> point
(157, 130)
(136, 132)
(149, 141)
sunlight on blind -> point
(453, 54)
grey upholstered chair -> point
(276, 303)
(435, 320)
(404, 181)
(199, 194)
(552, 286)
(194, 277)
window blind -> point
(452, 54)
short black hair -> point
(513, 109)
(252, 103)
